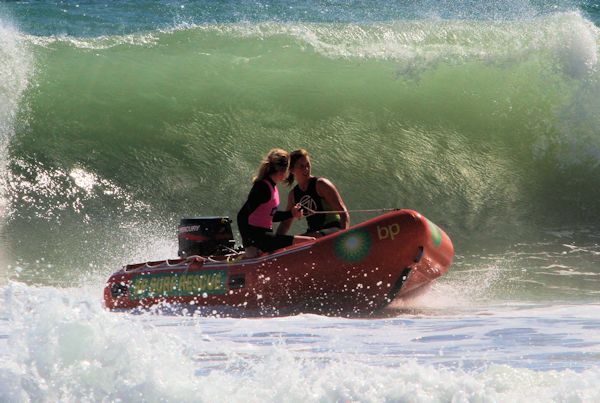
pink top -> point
(263, 215)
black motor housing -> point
(205, 236)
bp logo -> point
(353, 246)
(436, 233)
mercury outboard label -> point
(190, 228)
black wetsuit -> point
(262, 238)
(311, 199)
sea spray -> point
(16, 67)
(64, 346)
(61, 345)
(15, 70)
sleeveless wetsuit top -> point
(263, 215)
(311, 199)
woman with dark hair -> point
(255, 218)
(314, 194)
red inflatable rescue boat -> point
(355, 272)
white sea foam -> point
(65, 347)
(61, 345)
(578, 47)
(567, 37)
(16, 67)
(91, 43)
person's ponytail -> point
(276, 160)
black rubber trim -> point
(419, 254)
(118, 290)
(237, 281)
(399, 283)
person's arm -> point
(329, 193)
(282, 216)
(285, 225)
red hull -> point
(353, 272)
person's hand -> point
(297, 211)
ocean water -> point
(117, 119)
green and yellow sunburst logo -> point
(353, 246)
(436, 233)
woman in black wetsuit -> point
(255, 218)
(316, 194)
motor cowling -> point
(205, 236)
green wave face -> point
(489, 129)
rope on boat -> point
(376, 210)
(195, 258)
(311, 211)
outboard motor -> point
(205, 236)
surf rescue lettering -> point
(176, 285)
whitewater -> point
(116, 120)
